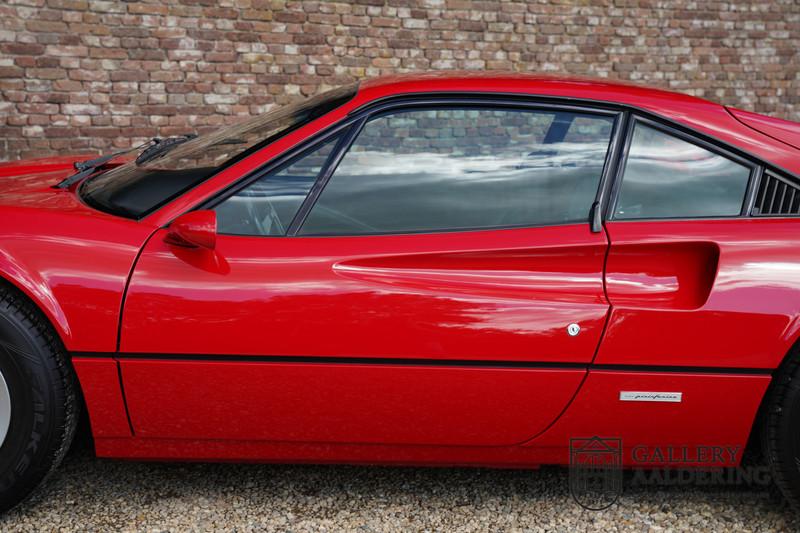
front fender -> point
(33, 285)
(74, 266)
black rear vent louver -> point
(777, 196)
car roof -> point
(521, 82)
(702, 116)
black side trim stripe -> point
(398, 361)
(683, 369)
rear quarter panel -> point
(744, 315)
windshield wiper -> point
(88, 167)
(155, 147)
(162, 146)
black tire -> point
(780, 431)
(44, 406)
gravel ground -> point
(90, 494)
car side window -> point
(451, 169)
(668, 177)
(268, 205)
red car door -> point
(429, 276)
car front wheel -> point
(38, 404)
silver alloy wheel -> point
(5, 409)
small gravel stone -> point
(89, 494)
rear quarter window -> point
(668, 177)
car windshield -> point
(133, 191)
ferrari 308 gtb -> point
(424, 270)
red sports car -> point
(430, 270)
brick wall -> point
(86, 75)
